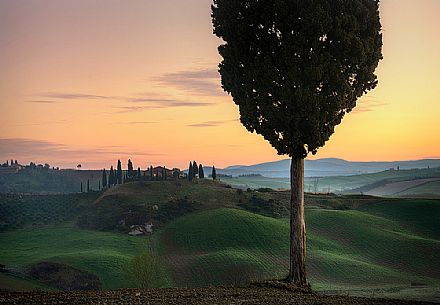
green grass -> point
(9, 282)
(347, 250)
(103, 254)
(419, 215)
(431, 189)
(356, 244)
(22, 211)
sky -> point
(92, 81)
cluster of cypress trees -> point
(196, 171)
(118, 176)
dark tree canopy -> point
(104, 178)
(201, 172)
(195, 169)
(119, 173)
(213, 173)
(190, 171)
(296, 67)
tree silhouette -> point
(81, 187)
(139, 173)
(201, 172)
(119, 173)
(190, 172)
(88, 185)
(295, 68)
(104, 178)
(195, 169)
(214, 173)
(130, 168)
(111, 177)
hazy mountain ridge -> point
(326, 167)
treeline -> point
(196, 171)
(116, 176)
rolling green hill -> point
(101, 253)
(356, 244)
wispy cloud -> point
(41, 102)
(211, 123)
(161, 105)
(368, 105)
(203, 82)
(138, 123)
(75, 96)
(46, 151)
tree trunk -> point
(297, 274)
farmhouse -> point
(160, 171)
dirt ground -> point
(214, 295)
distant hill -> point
(324, 167)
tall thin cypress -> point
(151, 172)
(201, 172)
(104, 179)
(214, 173)
(88, 185)
(190, 171)
(119, 173)
(139, 173)
(81, 187)
(195, 169)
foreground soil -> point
(214, 295)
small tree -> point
(130, 168)
(139, 173)
(190, 172)
(104, 179)
(88, 185)
(214, 173)
(81, 187)
(295, 68)
(201, 172)
(119, 173)
(145, 271)
(195, 169)
(111, 177)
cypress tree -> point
(104, 178)
(139, 173)
(214, 173)
(151, 172)
(190, 171)
(201, 172)
(81, 187)
(88, 185)
(164, 173)
(195, 169)
(295, 68)
(130, 168)
(119, 173)
(111, 177)
(99, 185)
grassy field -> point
(101, 253)
(356, 244)
(347, 251)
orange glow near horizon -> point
(91, 82)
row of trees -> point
(196, 171)
(119, 176)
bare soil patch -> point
(214, 295)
